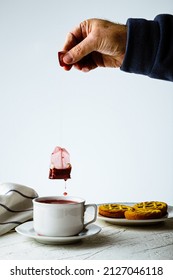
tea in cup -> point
(61, 215)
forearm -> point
(149, 48)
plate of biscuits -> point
(141, 213)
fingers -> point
(76, 36)
(70, 42)
(61, 62)
(86, 64)
(79, 51)
(79, 43)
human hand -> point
(94, 43)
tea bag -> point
(60, 167)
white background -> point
(118, 127)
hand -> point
(95, 43)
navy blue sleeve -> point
(149, 48)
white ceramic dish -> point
(27, 230)
(119, 221)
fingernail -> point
(68, 58)
(85, 69)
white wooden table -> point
(114, 242)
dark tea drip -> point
(65, 191)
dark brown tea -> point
(55, 173)
(57, 201)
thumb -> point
(79, 51)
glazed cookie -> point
(143, 214)
(148, 205)
(113, 210)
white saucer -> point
(27, 229)
(125, 222)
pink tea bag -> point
(60, 167)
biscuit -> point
(143, 214)
(139, 211)
(113, 210)
(155, 205)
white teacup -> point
(60, 215)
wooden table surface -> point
(113, 242)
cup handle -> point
(95, 213)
